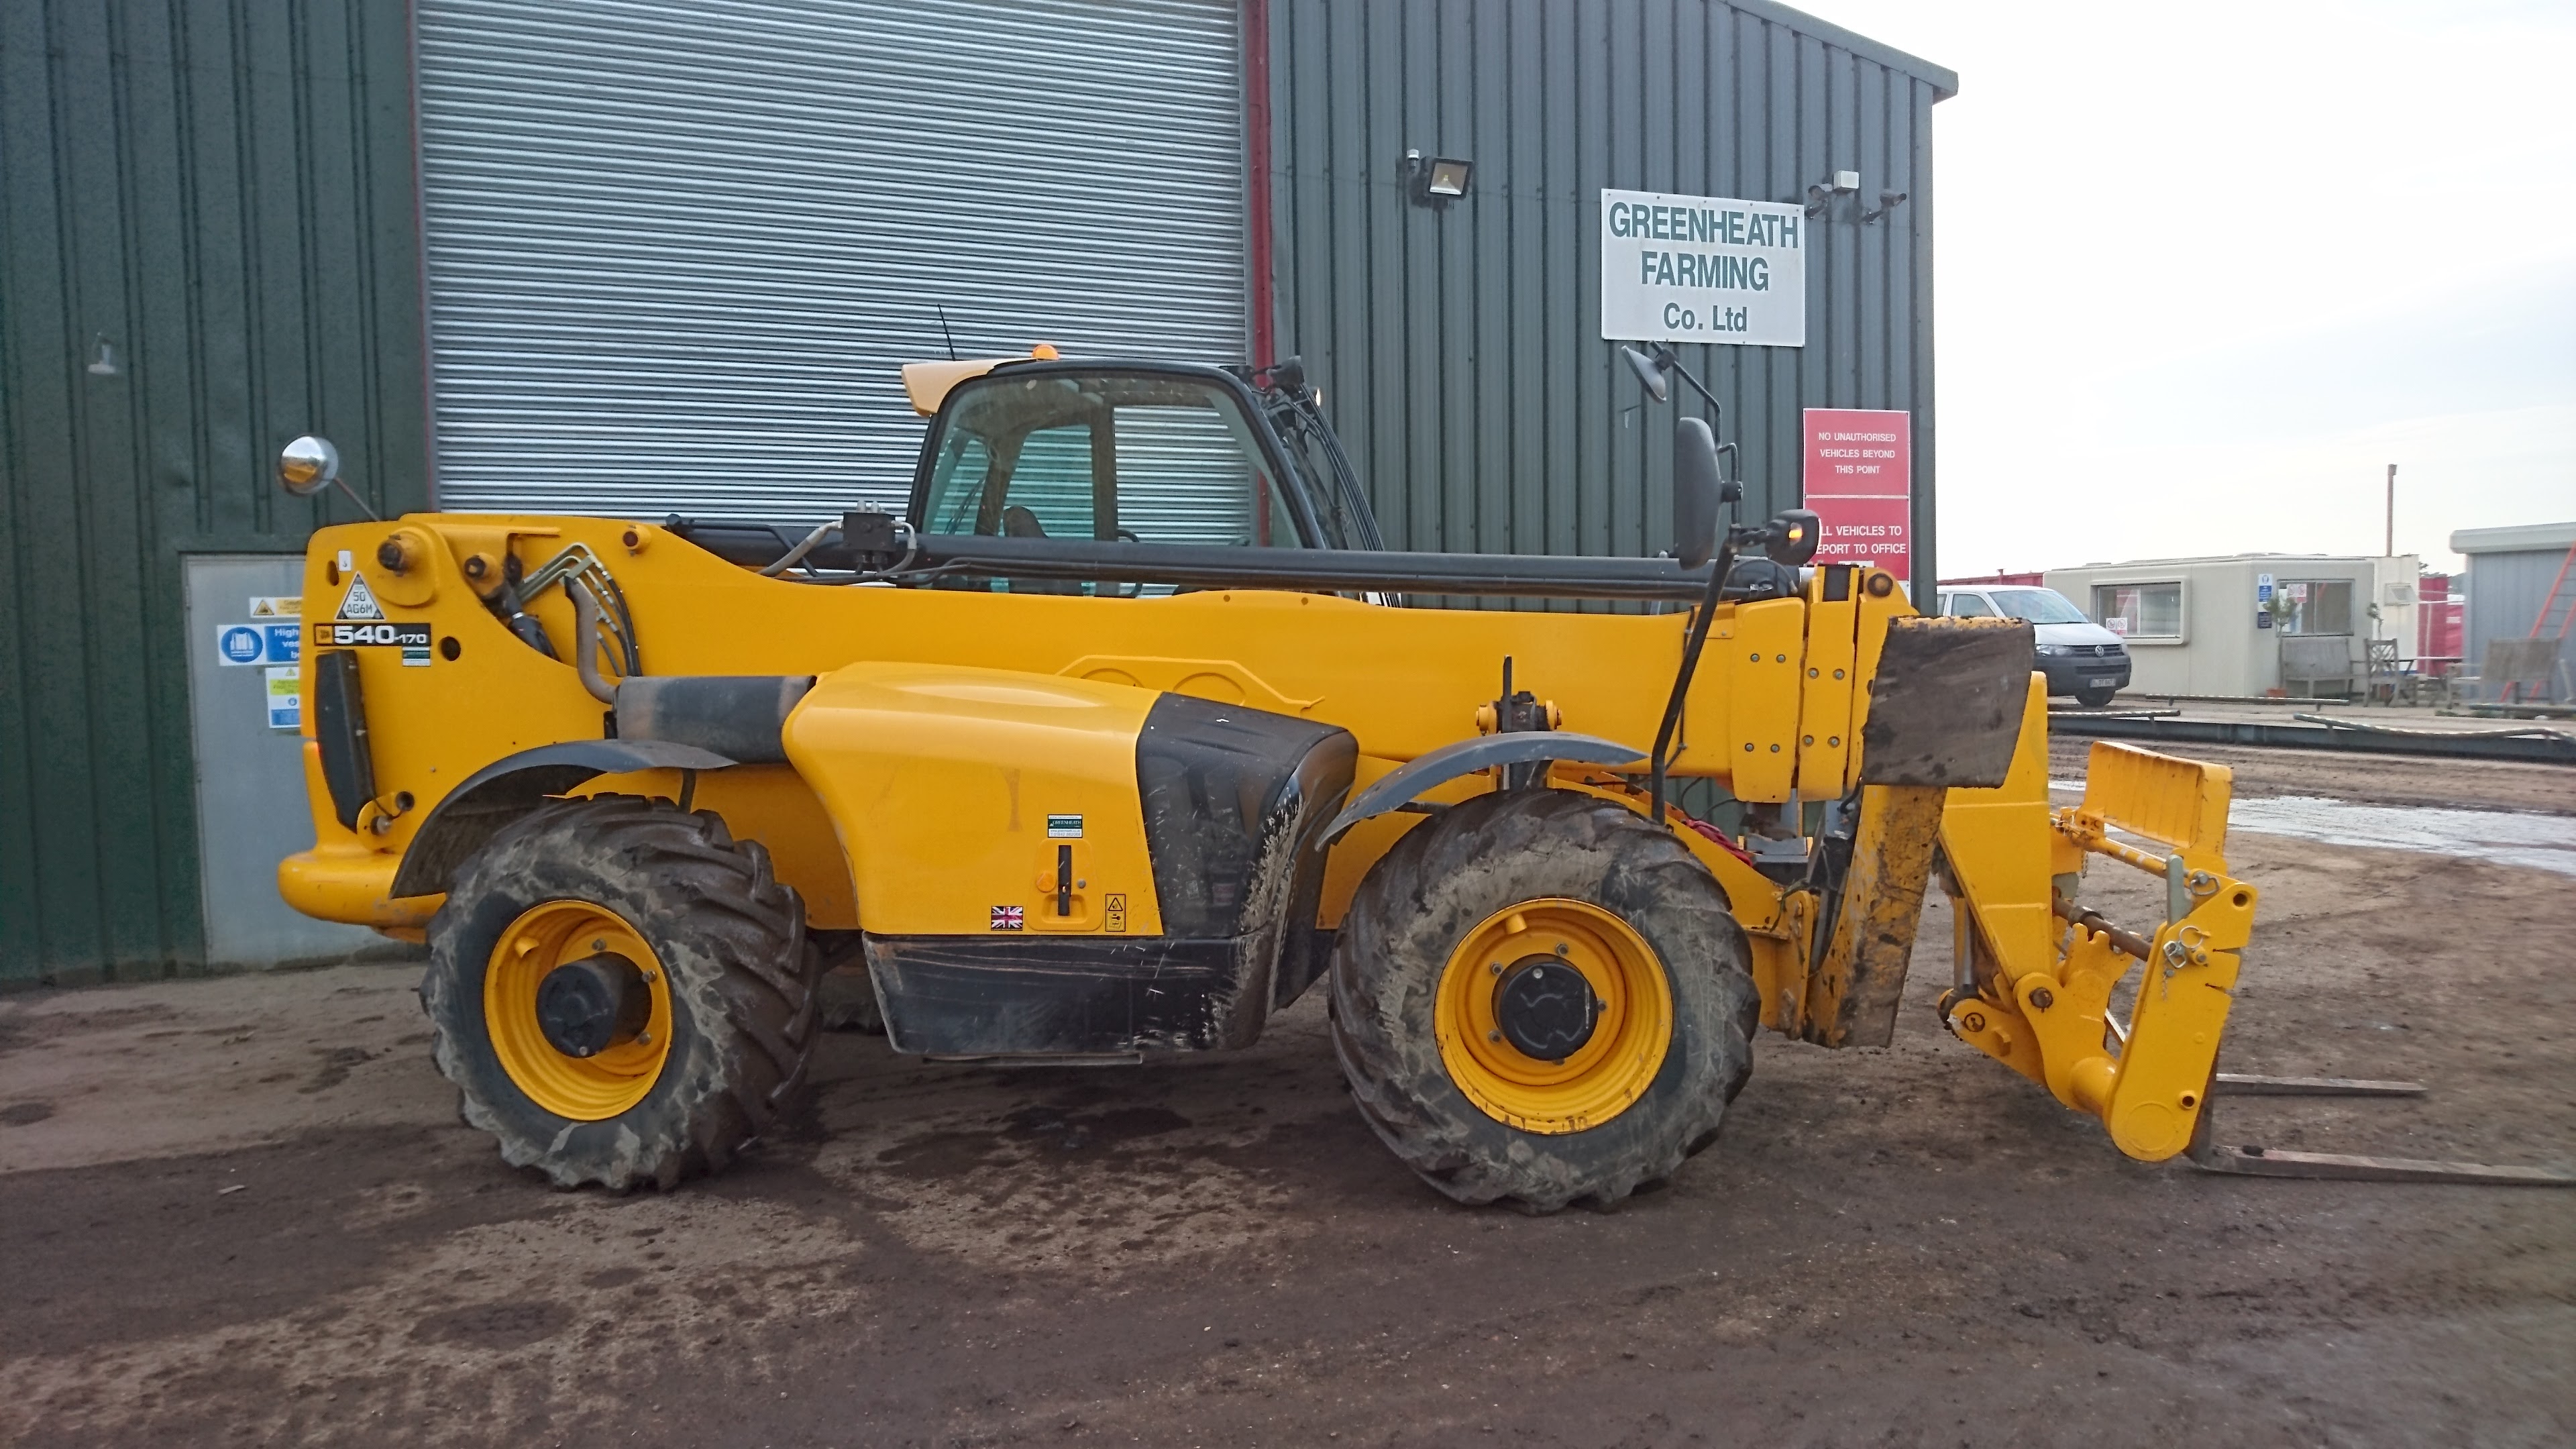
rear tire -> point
(734, 991)
(2095, 698)
(1447, 881)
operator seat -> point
(1019, 522)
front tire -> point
(2095, 698)
(723, 1014)
(1488, 891)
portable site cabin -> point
(2251, 623)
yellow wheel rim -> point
(585, 1089)
(1603, 1076)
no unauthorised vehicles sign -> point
(1702, 269)
(1860, 482)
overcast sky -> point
(2206, 270)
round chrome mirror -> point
(308, 465)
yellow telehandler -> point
(1124, 735)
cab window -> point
(1102, 457)
(1969, 606)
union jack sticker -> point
(1006, 918)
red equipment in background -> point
(2441, 625)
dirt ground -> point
(242, 1211)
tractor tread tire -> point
(732, 944)
(1453, 871)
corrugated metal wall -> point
(2506, 589)
(209, 243)
(1460, 349)
(678, 251)
(207, 246)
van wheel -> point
(2095, 698)
(1540, 997)
(621, 992)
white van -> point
(2079, 657)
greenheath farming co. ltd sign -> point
(1702, 269)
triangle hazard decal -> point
(360, 602)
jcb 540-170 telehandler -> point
(1124, 735)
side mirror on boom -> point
(1697, 492)
(1652, 371)
(310, 464)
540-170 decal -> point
(343, 635)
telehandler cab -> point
(1125, 734)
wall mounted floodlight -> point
(1438, 180)
(1822, 193)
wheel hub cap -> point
(1553, 1015)
(578, 1009)
(585, 1007)
(1545, 1008)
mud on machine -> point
(1073, 763)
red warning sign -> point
(1860, 482)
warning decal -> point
(360, 602)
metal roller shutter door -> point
(677, 252)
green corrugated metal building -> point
(207, 246)
(638, 256)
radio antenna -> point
(944, 332)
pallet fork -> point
(2036, 972)
(2257, 1161)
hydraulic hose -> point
(585, 646)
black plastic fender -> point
(1423, 772)
(512, 786)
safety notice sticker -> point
(276, 606)
(256, 643)
(238, 644)
(285, 697)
